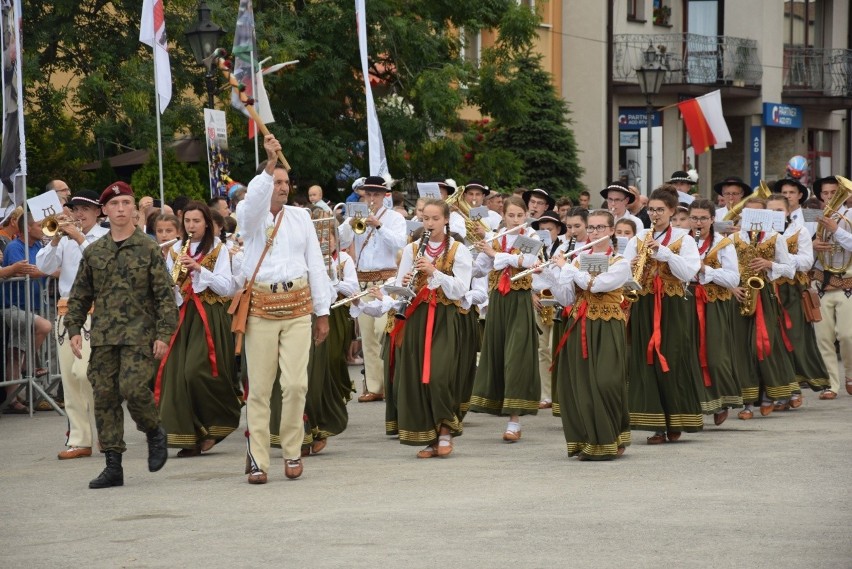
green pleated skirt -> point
(470, 334)
(391, 417)
(593, 390)
(507, 380)
(664, 401)
(559, 327)
(423, 408)
(724, 391)
(774, 373)
(806, 358)
(325, 402)
(195, 405)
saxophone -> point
(406, 302)
(179, 271)
(632, 295)
(750, 280)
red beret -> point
(116, 189)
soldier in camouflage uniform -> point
(125, 276)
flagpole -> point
(159, 133)
(254, 96)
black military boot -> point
(157, 451)
(112, 475)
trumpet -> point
(354, 297)
(359, 224)
(573, 253)
(51, 226)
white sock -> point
(444, 440)
(513, 427)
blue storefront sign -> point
(634, 118)
(755, 143)
(784, 116)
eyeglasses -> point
(616, 200)
(596, 228)
(657, 210)
(699, 219)
(733, 195)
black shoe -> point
(112, 475)
(157, 451)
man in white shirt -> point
(618, 197)
(796, 194)
(375, 263)
(538, 201)
(290, 283)
(733, 190)
(63, 255)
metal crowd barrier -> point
(25, 367)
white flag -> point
(375, 144)
(152, 32)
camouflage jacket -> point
(131, 290)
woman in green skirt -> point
(806, 358)
(711, 299)
(663, 368)
(507, 381)
(194, 387)
(762, 254)
(592, 380)
(428, 334)
(471, 341)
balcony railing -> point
(826, 72)
(690, 58)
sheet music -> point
(544, 234)
(357, 209)
(595, 263)
(762, 220)
(811, 215)
(622, 244)
(527, 246)
(477, 213)
(429, 190)
(45, 205)
(412, 225)
(398, 291)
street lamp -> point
(650, 77)
(203, 38)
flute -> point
(524, 225)
(573, 253)
(354, 297)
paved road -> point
(772, 492)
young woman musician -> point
(592, 380)
(664, 371)
(507, 380)
(426, 372)
(806, 358)
(767, 372)
(713, 305)
(194, 386)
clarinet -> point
(406, 302)
(557, 315)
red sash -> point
(580, 317)
(425, 295)
(701, 309)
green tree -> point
(179, 179)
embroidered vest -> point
(207, 296)
(714, 291)
(800, 277)
(672, 286)
(602, 305)
(494, 276)
(443, 263)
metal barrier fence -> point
(30, 365)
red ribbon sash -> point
(763, 344)
(582, 309)
(701, 309)
(189, 295)
(425, 295)
(786, 323)
(657, 335)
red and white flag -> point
(705, 122)
(152, 32)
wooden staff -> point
(220, 57)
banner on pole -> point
(216, 134)
(11, 173)
(246, 67)
(375, 144)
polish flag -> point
(152, 32)
(704, 122)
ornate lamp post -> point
(650, 76)
(203, 38)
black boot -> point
(157, 452)
(112, 475)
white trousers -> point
(545, 356)
(836, 324)
(79, 401)
(372, 334)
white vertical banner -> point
(216, 134)
(13, 160)
(376, 147)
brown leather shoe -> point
(512, 436)
(745, 414)
(719, 418)
(293, 468)
(657, 439)
(74, 452)
(445, 450)
(827, 394)
(796, 402)
(318, 445)
(428, 452)
(257, 477)
(673, 436)
(849, 385)
(188, 452)
(781, 406)
(306, 451)
(368, 397)
(766, 410)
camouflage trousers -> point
(122, 373)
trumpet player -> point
(592, 375)
(796, 331)
(426, 370)
(765, 370)
(375, 262)
(663, 366)
(63, 254)
(832, 279)
(713, 305)
(507, 380)
(544, 315)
